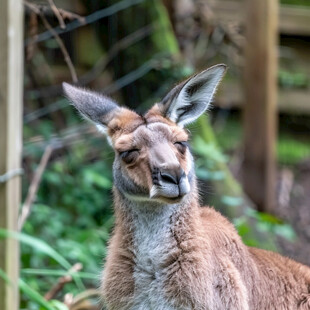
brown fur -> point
(167, 252)
(205, 248)
(127, 132)
(120, 264)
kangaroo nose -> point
(172, 176)
(169, 177)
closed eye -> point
(181, 146)
(129, 156)
(126, 153)
(182, 143)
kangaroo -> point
(167, 252)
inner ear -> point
(188, 100)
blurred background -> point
(135, 51)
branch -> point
(71, 16)
(38, 10)
(33, 31)
(62, 282)
(33, 189)
(67, 137)
(33, 7)
(10, 175)
(57, 14)
(122, 44)
(61, 46)
(91, 18)
(64, 14)
(100, 65)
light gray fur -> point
(153, 242)
(93, 106)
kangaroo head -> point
(152, 159)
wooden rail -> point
(293, 20)
(11, 85)
(292, 101)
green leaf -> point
(266, 217)
(204, 174)
(4, 277)
(232, 201)
(59, 305)
(43, 247)
(97, 179)
(37, 244)
(35, 296)
(58, 273)
(285, 231)
(208, 150)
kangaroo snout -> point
(169, 183)
(173, 176)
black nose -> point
(167, 177)
(171, 176)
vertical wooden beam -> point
(11, 85)
(260, 112)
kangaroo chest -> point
(167, 261)
(172, 268)
(153, 241)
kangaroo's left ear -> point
(188, 100)
(93, 106)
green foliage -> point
(4, 277)
(291, 148)
(32, 294)
(296, 2)
(164, 38)
(249, 223)
(287, 79)
(232, 201)
(291, 151)
(269, 223)
(37, 298)
(265, 223)
(37, 244)
(70, 221)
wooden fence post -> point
(11, 86)
(260, 111)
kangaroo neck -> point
(153, 229)
(156, 235)
(129, 211)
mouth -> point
(169, 193)
(172, 200)
(168, 200)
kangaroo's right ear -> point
(93, 106)
(188, 100)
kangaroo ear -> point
(93, 106)
(188, 100)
